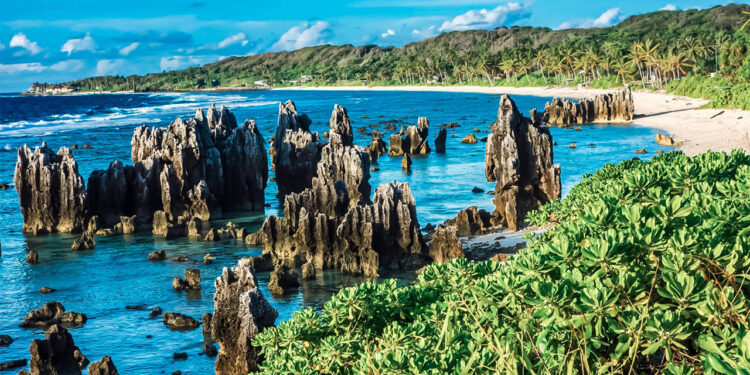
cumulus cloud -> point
(20, 40)
(605, 19)
(487, 19)
(129, 48)
(388, 33)
(67, 66)
(232, 40)
(22, 67)
(669, 7)
(107, 66)
(81, 44)
(303, 36)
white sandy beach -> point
(677, 116)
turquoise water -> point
(100, 283)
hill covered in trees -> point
(651, 50)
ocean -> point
(102, 282)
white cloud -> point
(388, 33)
(129, 48)
(20, 40)
(605, 19)
(82, 44)
(669, 7)
(105, 67)
(483, 18)
(234, 39)
(22, 67)
(302, 36)
(67, 66)
(179, 62)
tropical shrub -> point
(644, 271)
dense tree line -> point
(649, 50)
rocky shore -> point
(190, 173)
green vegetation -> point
(645, 271)
(647, 50)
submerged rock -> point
(5, 340)
(56, 354)
(13, 364)
(157, 255)
(469, 139)
(32, 257)
(519, 157)
(50, 314)
(615, 106)
(240, 313)
(50, 190)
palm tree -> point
(675, 63)
(746, 25)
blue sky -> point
(61, 40)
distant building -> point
(305, 79)
(261, 83)
(50, 89)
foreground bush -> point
(645, 272)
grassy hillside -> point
(645, 272)
(650, 50)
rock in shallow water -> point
(240, 313)
(85, 242)
(179, 322)
(50, 314)
(445, 245)
(519, 157)
(56, 354)
(103, 367)
(50, 190)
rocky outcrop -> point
(417, 137)
(470, 221)
(440, 140)
(245, 168)
(335, 225)
(190, 170)
(50, 314)
(179, 322)
(57, 354)
(376, 148)
(295, 151)
(445, 245)
(519, 157)
(282, 278)
(240, 313)
(615, 106)
(398, 145)
(103, 367)
(50, 190)
(85, 242)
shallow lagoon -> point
(102, 282)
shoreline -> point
(699, 129)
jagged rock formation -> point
(376, 148)
(85, 242)
(440, 140)
(50, 314)
(50, 190)
(413, 142)
(470, 221)
(57, 354)
(615, 106)
(103, 367)
(179, 322)
(417, 137)
(334, 225)
(445, 245)
(281, 278)
(193, 169)
(519, 157)
(295, 151)
(240, 313)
